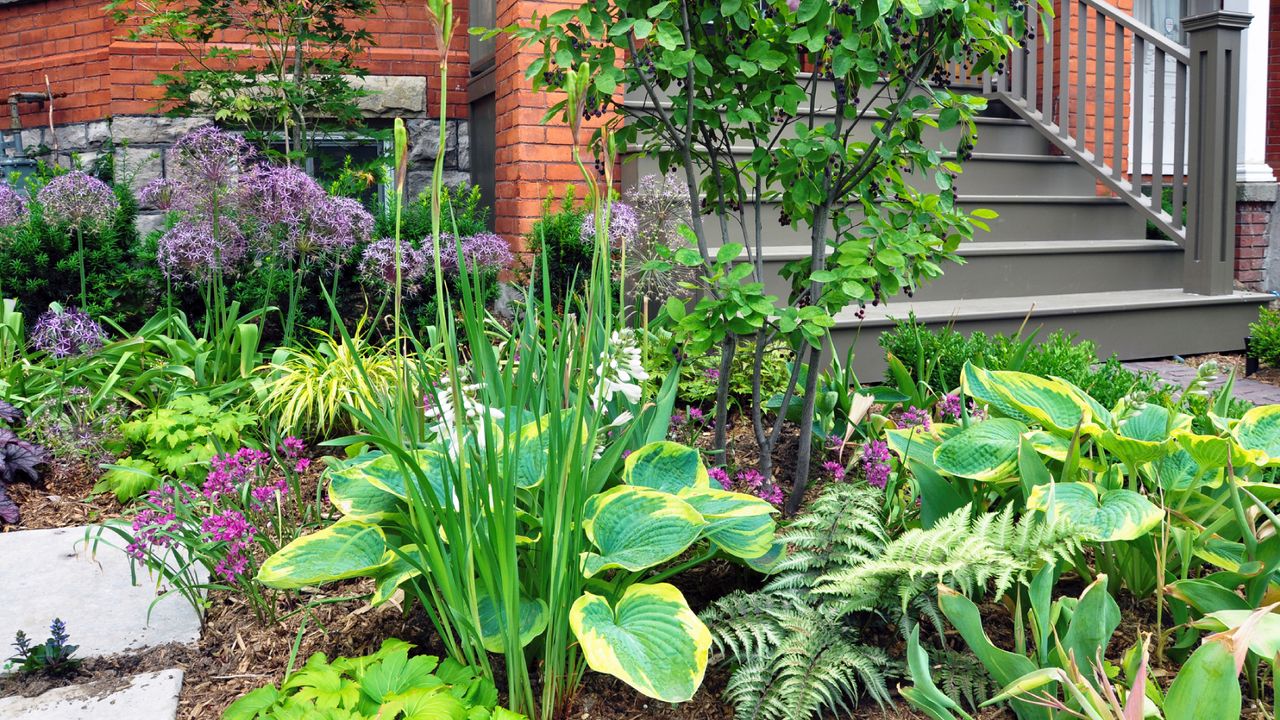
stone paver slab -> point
(1258, 393)
(150, 696)
(54, 573)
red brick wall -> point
(1252, 221)
(79, 48)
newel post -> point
(1214, 102)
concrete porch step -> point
(1133, 324)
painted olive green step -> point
(1131, 323)
(1029, 267)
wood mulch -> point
(62, 498)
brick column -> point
(530, 158)
(1256, 263)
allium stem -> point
(84, 294)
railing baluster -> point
(1100, 84)
(1139, 104)
(1018, 73)
(1117, 100)
(1081, 63)
(1157, 145)
(1064, 67)
(1033, 49)
(1179, 144)
(1046, 107)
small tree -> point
(818, 106)
(292, 80)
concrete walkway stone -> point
(150, 696)
(1258, 393)
(46, 574)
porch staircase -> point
(1059, 256)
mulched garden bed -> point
(63, 498)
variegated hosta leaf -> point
(1101, 415)
(740, 524)
(343, 550)
(392, 475)
(493, 620)
(650, 640)
(1258, 435)
(398, 570)
(351, 491)
(1104, 517)
(1144, 434)
(984, 451)
(531, 459)
(667, 466)
(1207, 450)
(1179, 472)
(1050, 403)
(979, 384)
(916, 443)
(636, 528)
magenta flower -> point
(712, 374)
(77, 200)
(750, 478)
(834, 469)
(773, 495)
(720, 476)
(914, 417)
(875, 463)
(949, 408)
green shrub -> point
(699, 375)
(1264, 334)
(557, 238)
(386, 684)
(1059, 355)
(181, 437)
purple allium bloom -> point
(976, 412)
(292, 447)
(378, 263)
(720, 476)
(77, 200)
(190, 250)
(300, 216)
(750, 478)
(155, 524)
(231, 471)
(210, 156)
(914, 417)
(486, 251)
(772, 495)
(834, 469)
(712, 374)
(677, 419)
(13, 210)
(623, 225)
(875, 463)
(696, 415)
(949, 408)
(232, 528)
(66, 332)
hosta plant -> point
(627, 622)
(385, 685)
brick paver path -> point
(1258, 393)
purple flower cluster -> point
(304, 220)
(624, 223)
(13, 210)
(949, 409)
(834, 469)
(205, 165)
(230, 472)
(155, 525)
(293, 449)
(721, 476)
(914, 417)
(66, 332)
(191, 250)
(77, 200)
(483, 251)
(875, 463)
(378, 263)
(231, 527)
(712, 374)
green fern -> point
(990, 552)
(796, 643)
(962, 676)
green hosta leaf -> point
(346, 549)
(1101, 415)
(915, 443)
(398, 570)
(1050, 403)
(1208, 451)
(667, 466)
(984, 451)
(650, 640)
(1105, 517)
(388, 474)
(740, 524)
(1179, 472)
(1145, 434)
(637, 527)
(493, 620)
(531, 463)
(352, 492)
(1258, 435)
(979, 383)
(1206, 687)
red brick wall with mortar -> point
(81, 51)
(1273, 89)
(1252, 237)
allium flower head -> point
(66, 332)
(13, 210)
(211, 155)
(486, 251)
(720, 476)
(77, 200)
(623, 225)
(190, 250)
(875, 463)
(834, 469)
(949, 408)
(378, 263)
(914, 417)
